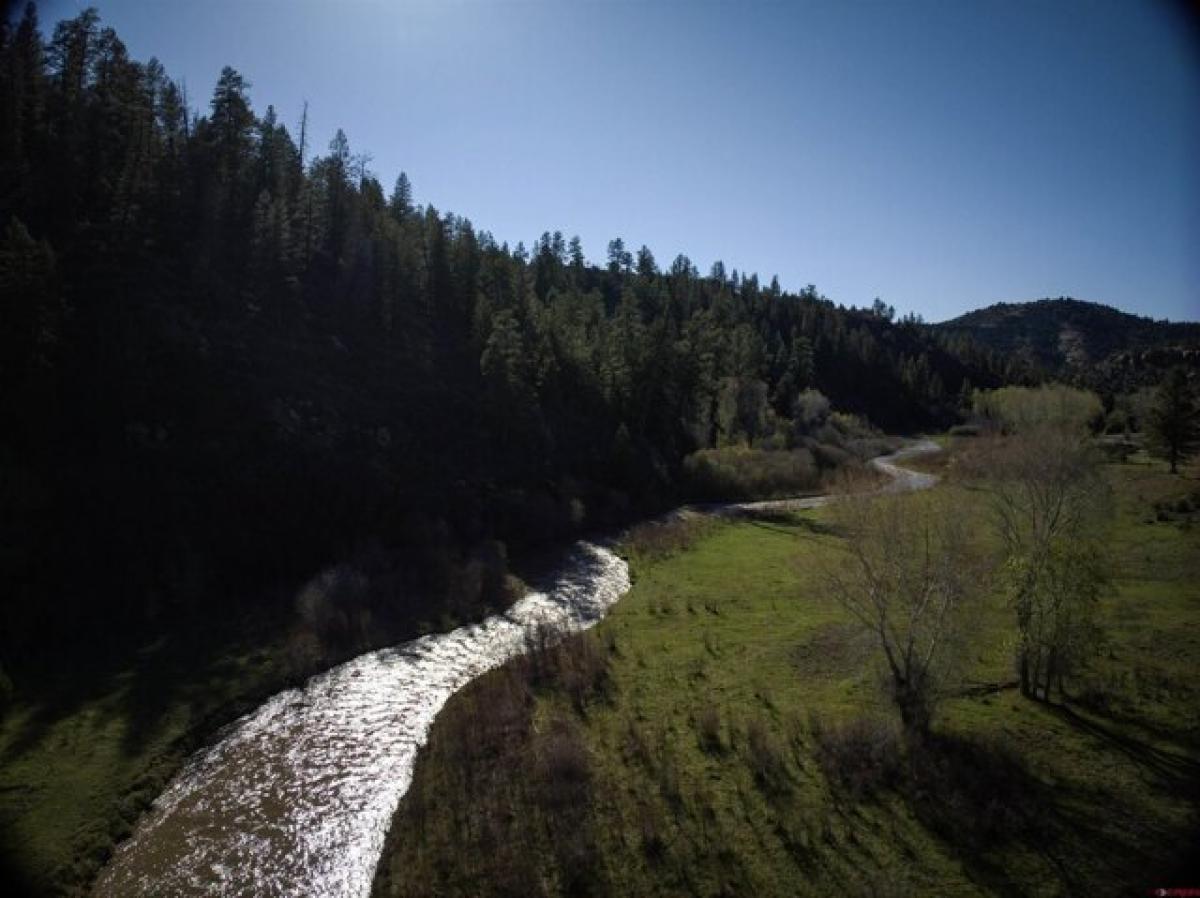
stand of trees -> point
(1049, 506)
(229, 361)
(1174, 420)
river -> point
(294, 799)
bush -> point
(859, 755)
(656, 539)
(708, 726)
(738, 473)
(765, 758)
(572, 663)
(654, 842)
(1115, 449)
(583, 671)
(829, 456)
(810, 411)
(851, 427)
(637, 747)
(865, 448)
(563, 766)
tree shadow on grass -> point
(786, 522)
(979, 800)
(985, 804)
(110, 702)
(139, 683)
(1173, 770)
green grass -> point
(82, 756)
(726, 664)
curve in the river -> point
(294, 799)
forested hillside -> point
(1089, 343)
(232, 358)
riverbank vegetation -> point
(742, 738)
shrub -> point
(539, 662)
(563, 766)
(637, 746)
(851, 427)
(859, 755)
(708, 726)
(1116, 449)
(583, 670)
(765, 758)
(654, 842)
(868, 447)
(302, 654)
(661, 539)
(740, 473)
(574, 663)
(829, 456)
(810, 411)
(327, 604)
(666, 768)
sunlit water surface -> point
(295, 798)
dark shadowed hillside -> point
(1086, 341)
(228, 361)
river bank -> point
(82, 768)
(295, 797)
(730, 739)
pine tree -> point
(336, 170)
(22, 107)
(619, 259)
(646, 266)
(231, 121)
(575, 250)
(965, 395)
(72, 51)
(30, 312)
(1174, 426)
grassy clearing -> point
(84, 756)
(740, 744)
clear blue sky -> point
(940, 155)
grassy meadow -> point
(723, 732)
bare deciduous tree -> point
(1048, 499)
(908, 576)
(1061, 628)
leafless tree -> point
(1062, 629)
(909, 575)
(1048, 501)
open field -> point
(723, 733)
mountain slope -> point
(1083, 341)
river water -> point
(294, 799)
